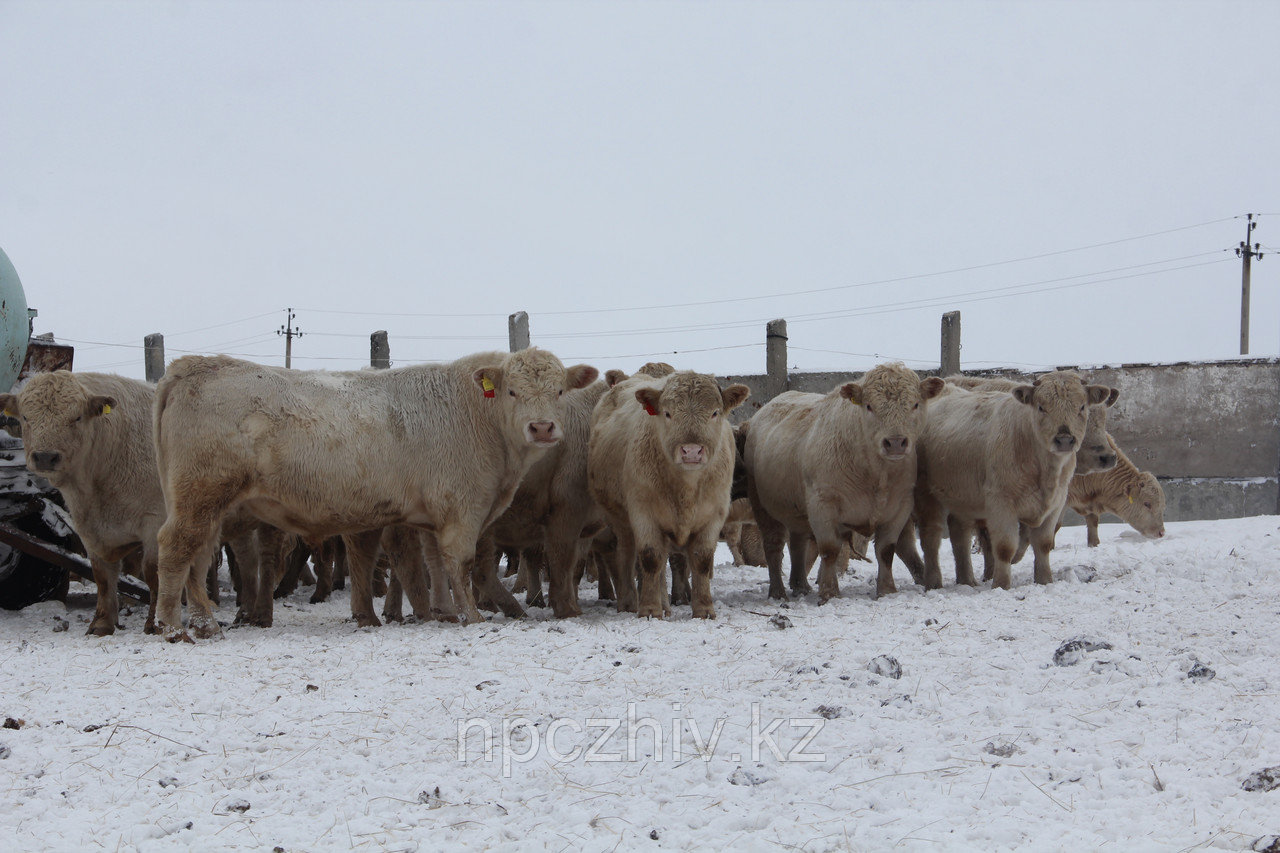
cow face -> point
(56, 416)
(528, 386)
(891, 399)
(1096, 453)
(1059, 403)
(1144, 509)
(689, 412)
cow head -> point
(1143, 508)
(528, 386)
(1059, 403)
(1096, 453)
(56, 416)
(689, 411)
(891, 399)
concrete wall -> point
(1209, 430)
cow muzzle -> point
(895, 446)
(45, 461)
(692, 454)
(1064, 442)
(542, 433)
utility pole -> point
(289, 333)
(1246, 253)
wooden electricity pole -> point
(289, 333)
(1246, 253)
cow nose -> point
(692, 454)
(543, 432)
(1064, 442)
(46, 460)
(895, 445)
(1108, 460)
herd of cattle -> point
(439, 468)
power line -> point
(794, 293)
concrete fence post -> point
(153, 356)
(379, 350)
(950, 344)
(518, 331)
(775, 359)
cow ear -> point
(852, 392)
(931, 387)
(1113, 396)
(1024, 393)
(580, 376)
(99, 405)
(614, 376)
(648, 398)
(734, 396)
(9, 404)
(488, 378)
(1097, 394)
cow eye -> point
(560, 393)
(512, 393)
(1082, 409)
(668, 414)
(1147, 504)
(916, 406)
(1042, 411)
(714, 414)
(869, 409)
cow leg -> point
(247, 561)
(1091, 522)
(533, 565)
(1042, 539)
(1004, 543)
(513, 562)
(605, 590)
(566, 550)
(929, 519)
(828, 554)
(200, 618)
(702, 558)
(624, 570)
(324, 559)
(653, 600)
(801, 562)
(1024, 539)
(909, 553)
(152, 578)
(488, 581)
(456, 550)
(362, 550)
(772, 534)
(961, 542)
(106, 615)
(441, 599)
(189, 533)
(275, 546)
(211, 580)
(681, 592)
(884, 545)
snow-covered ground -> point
(316, 735)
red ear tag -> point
(650, 409)
(487, 386)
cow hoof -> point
(473, 617)
(392, 617)
(803, 589)
(650, 613)
(536, 601)
(150, 627)
(568, 612)
(368, 621)
(100, 629)
(173, 634)
(889, 589)
(205, 628)
(705, 614)
(317, 598)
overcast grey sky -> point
(645, 179)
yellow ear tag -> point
(106, 410)
(1130, 498)
(487, 386)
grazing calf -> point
(822, 468)
(441, 447)
(995, 460)
(659, 464)
(1135, 496)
